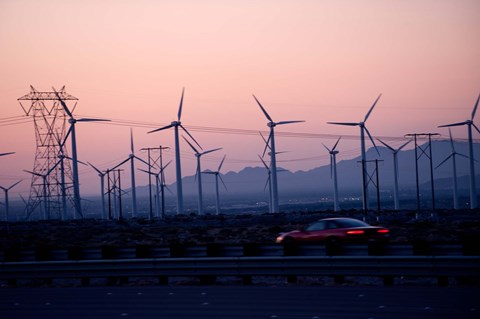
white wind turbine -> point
(217, 177)
(469, 123)
(5, 190)
(454, 166)
(333, 173)
(176, 125)
(132, 157)
(273, 162)
(396, 196)
(102, 188)
(71, 131)
(198, 174)
(363, 129)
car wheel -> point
(331, 241)
(288, 240)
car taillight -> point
(383, 231)
(355, 232)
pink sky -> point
(317, 61)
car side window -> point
(332, 225)
(316, 226)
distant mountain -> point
(316, 182)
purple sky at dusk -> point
(317, 61)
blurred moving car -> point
(332, 230)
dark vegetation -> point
(446, 226)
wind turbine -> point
(363, 129)
(46, 213)
(71, 131)
(333, 173)
(102, 188)
(6, 189)
(454, 166)
(273, 162)
(469, 123)
(268, 183)
(217, 177)
(159, 186)
(132, 157)
(4, 154)
(396, 196)
(176, 125)
(198, 174)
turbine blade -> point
(221, 180)
(168, 189)
(266, 183)
(335, 146)
(141, 160)
(193, 148)
(475, 108)
(65, 108)
(15, 184)
(371, 139)
(448, 157)
(131, 141)
(33, 173)
(208, 172)
(263, 138)
(327, 148)
(267, 144)
(371, 109)
(191, 136)
(145, 171)
(210, 151)
(403, 145)
(66, 136)
(165, 166)
(263, 109)
(344, 123)
(181, 105)
(162, 128)
(454, 124)
(463, 155)
(98, 171)
(221, 163)
(92, 120)
(476, 127)
(451, 140)
(288, 122)
(265, 164)
(4, 154)
(123, 162)
(386, 145)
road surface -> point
(245, 302)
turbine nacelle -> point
(176, 123)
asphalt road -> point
(246, 302)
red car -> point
(335, 229)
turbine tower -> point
(198, 174)
(217, 177)
(453, 155)
(7, 207)
(176, 125)
(102, 188)
(469, 123)
(159, 185)
(273, 162)
(396, 196)
(363, 129)
(333, 173)
(132, 157)
(73, 139)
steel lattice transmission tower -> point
(52, 179)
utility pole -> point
(429, 155)
(152, 162)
